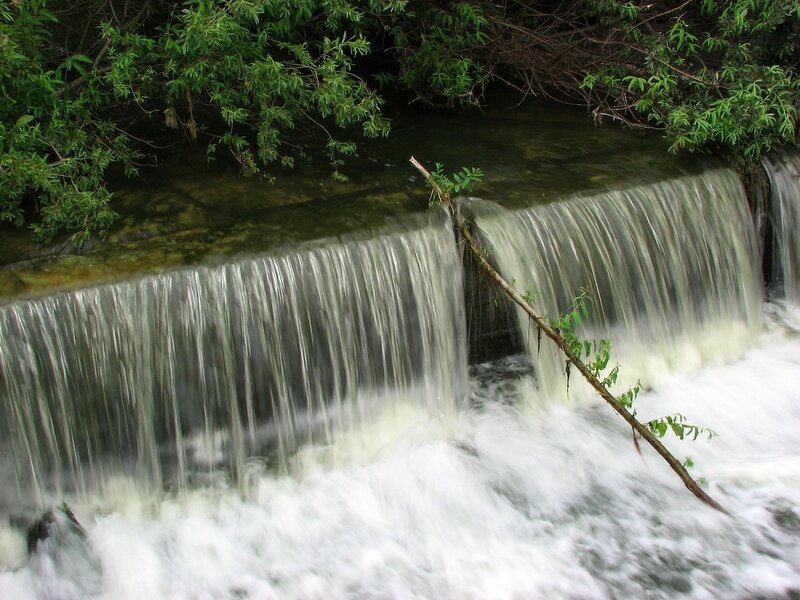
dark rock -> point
(50, 523)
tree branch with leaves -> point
(562, 335)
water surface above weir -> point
(188, 211)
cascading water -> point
(510, 499)
(783, 170)
(670, 268)
(209, 362)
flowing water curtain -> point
(670, 267)
(783, 170)
(202, 368)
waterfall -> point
(783, 170)
(671, 269)
(210, 365)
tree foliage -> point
(436, 48)
(255, 67)
(232, 73)
(54, 148)
(711, 74)
(79, 79)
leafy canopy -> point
(237, 74)
(712, 74)
(266, 79)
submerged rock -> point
(54, 521)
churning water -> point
(515, 501)
(507, 496)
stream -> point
(296, 390)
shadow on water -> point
(188, 211)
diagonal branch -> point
(462, 229)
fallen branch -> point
(462, 229)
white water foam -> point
(518, 501)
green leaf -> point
(24, 120)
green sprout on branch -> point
(456, 184)
(597, 356)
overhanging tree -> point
(78, 77)
(238, 74)
(711, 74)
